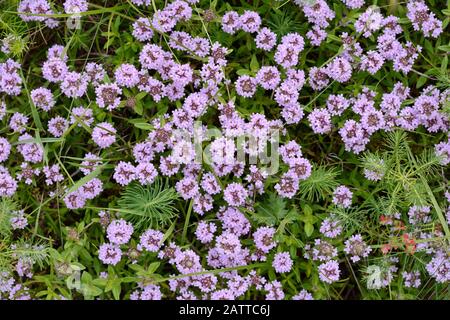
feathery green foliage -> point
(148, 206)
(320, 184)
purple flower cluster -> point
(356, 248)
(10, 79)
(422, 19)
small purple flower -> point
(369, 22)
(263, 237)
(356, 248)
(265, 39)
(246, 86)
(52, 174)
(330, 228)
(146, 173)
(82, 116)
(104, 134)
(287, 186)
(75, 6)
(339, 69)
(126, 75)
(329, 271)
(124, 173)
(95, 72)
(342, 197)
(8, 185)
(316, 35)
(74, 84)
(54, 70)
(108, 95)
(5, 149)
(187, 187)
(90, 163)
(119, 231)
(268, 77)
(205, 231)
(303, 295)
(320, 120)
(235, 194)
(372, 62)
(412, 279)
(18, 220)
(57, 126)
(231, 22)
(142, 30)
(250, 21)
(109, 253)
(151, 240)
(42, 98)
(282, 262)
(188, 262)
(32, 152)
(18, 122)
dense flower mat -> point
(224, 149)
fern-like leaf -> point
(271, 211)
(320, 183)
(148, 206)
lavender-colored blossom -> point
(124, 173)
(330, 227)
(369, 21)
(282, 262)
(339, 69)
(268, 77)
(205, 231)
(342, 197)
(142, 30)
(411, 279)
(104, 134)
(8, 185)
(5, 149)
(265, 39)
(250, 21)
(235, 194)
(82, 116)
(18, 122)
(329, 271)
(109, 253)
(356, 248)
(108, 95)
(52, 174)
(316, 35)
(31, 151)
(57, 126)
(320, 120)
(42, 98)
(75, 6)
(303, 295)
(119, 231)
(151, 240)
(246, 86)
(74, 84)
(263, 237)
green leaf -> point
(421, 82)
(144, 126)
(254, 65)
(242, 72)
(309, 229)
(271, 211)
(153, 267)
(116, 290)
